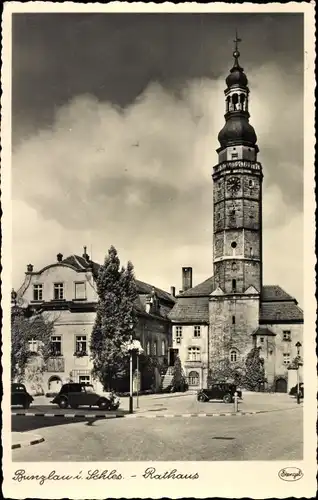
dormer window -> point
(37, 292)
(58, 291)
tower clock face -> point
(233, 184)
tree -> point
(115, 319)
(178, 381)
(254, 370)
(37, 329)
(225, 371)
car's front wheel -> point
(227, 398)
(103, 404)
(63, 403)
(202, 398)
(26, 405)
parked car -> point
(75, 395)
(221, 391)
(293, 390)
(20, 396)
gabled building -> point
(232, 311)
(66, 290)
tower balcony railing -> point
(255, 166)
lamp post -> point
(139, 350)
(298, 346)
(131, 347)
(131, 408)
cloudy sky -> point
(115, 123)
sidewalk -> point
(23, 439)
(43, 400)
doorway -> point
(281, 385)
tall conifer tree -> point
(115, 319)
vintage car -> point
(293, 390)
(221, 391)
(79, 394)
(20, 396)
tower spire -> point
(236, 53)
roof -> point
(264, 331)
(190, 309)
(205, 288)
(81, 264)
(280, 312)
(274, 293)
(276, 305)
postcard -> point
(158, 259)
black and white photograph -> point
(158, 250)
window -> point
(261, 339)
(278, 315)
(81, 344)
(287, 335)
(234, 156)
(33, 345)
(193, 378)
(155, 348)
(84, 379)
(250, 183)
(233, 320)
(234, 266)
(178, 332)
(58, 291)
(286, 358)
(233, 356)
(233, 285)
(233, 244)
(163, 348)
(148, 348)
(37, 292)
(56, 345)
(80, 291)
(197, 331)
(194, 354)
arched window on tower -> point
(228, 104)
(235, 101)
(242, 102)
(233, 286)
(233, 355)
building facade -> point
(233, 308)
(66, 291)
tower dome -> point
(237, 129)
(237, 76)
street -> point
(275, 434)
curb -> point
(24, 444)
(190, 415)
(65, 415)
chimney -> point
(173, 291)
(186, 278)
(85, 255)
(59, 257)
(29, 268)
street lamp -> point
(298, 346)
(131, 347)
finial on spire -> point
(236, 53)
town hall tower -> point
(237, 228)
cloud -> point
(140, 178)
